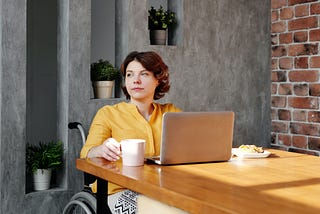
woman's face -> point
(140, 83)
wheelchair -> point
(83, 202)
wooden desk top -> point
(282, 183)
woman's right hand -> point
(109, 149)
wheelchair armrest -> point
(88, 179)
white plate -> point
(241, 154)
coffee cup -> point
(133, 152)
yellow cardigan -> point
(123, 121)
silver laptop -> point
(195, 137)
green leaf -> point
(44, 155)
(160, 19)
(103, 70)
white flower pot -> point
(41, 179)
(103, 89)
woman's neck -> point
(144, 108)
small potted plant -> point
(41, 159)
(103, 75)
(158, 23)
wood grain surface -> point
(285, 182)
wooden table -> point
(284, 182)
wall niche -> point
(174, 34)
(103, 14)
(41, 83)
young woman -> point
(146, 80)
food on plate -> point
(251, 149)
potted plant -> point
(103, 75)
(41, 159)
(158, 23)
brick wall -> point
(295, 68)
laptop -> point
(195, 137)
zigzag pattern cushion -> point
(126, 203)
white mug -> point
(133, 152)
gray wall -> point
(41, 71)
(221, 62)
(103, 30)
(13, 103)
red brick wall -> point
(295, 69)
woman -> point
(146, 79)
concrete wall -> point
(41, 70)
(103, 30)
(220, 62)
(13, 103)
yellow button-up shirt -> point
(123, 121)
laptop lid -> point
(194, 137)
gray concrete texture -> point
(220, 62)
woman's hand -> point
(109, 149)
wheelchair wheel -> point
(82, 202)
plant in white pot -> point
(103, 75)
(41, 159)
(158, 23)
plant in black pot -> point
(158, 22)
(41, 159)
(103, 75)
